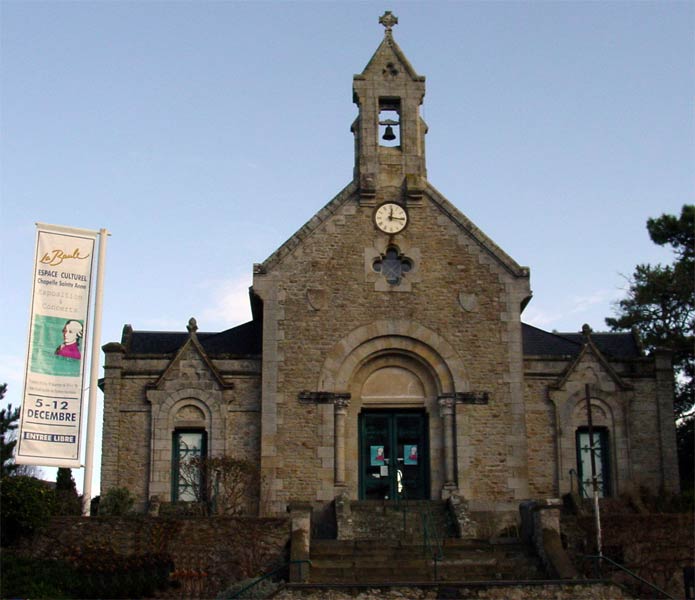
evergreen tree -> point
(65, 481)
(660, 304)
(67, 501)
(9, 421)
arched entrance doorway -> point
(393, 367)
(396, 413)
(394, 455)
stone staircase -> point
(388, 545)
(384, 561)
(399, 521)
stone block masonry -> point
(216, 551)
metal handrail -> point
(599, 557)
(267, 575)
(431, 538)
(436, 549)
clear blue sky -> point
(203, 134)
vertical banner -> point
(49, 431)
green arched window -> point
(188, 477)
(601, 461)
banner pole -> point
(94, 377)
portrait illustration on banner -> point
(57, 348)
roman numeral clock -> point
(391, 218)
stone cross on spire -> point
(388, 20)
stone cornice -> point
(466, 397)
(307, 397)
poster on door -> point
(410, 454)
(376, 456)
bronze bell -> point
(388, 134)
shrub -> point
(97, 573)
(67, 500)
(94, 506)
(116, 502)
(26, 504)
(32, 578)
(222, 484)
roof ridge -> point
(307, 229)
(477, 234)
(557, 334)
(171, 331)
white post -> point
(594, 477)
(94, 376)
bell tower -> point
(389, 132)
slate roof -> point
(241, 340)
(543, 343)
(245, 340)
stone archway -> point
(392, 365)
(387, 384)
(405, 337)
(608, 410)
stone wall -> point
(573, 591)
(148, 397)
(301, 329)
(656, 546)
(627, 400)
(542, 442)
(208, 553)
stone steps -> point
(501, 590)
(389, 520)
(387, 545)
(335, 561)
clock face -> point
(391, 217)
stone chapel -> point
(387, 359)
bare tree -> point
(223, 484)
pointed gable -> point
(590, 357)
(476, 234)
(389, 53)
(191, 364)
(390, 83)
(317, 221)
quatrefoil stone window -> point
(392, 265)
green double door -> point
(394, 455)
